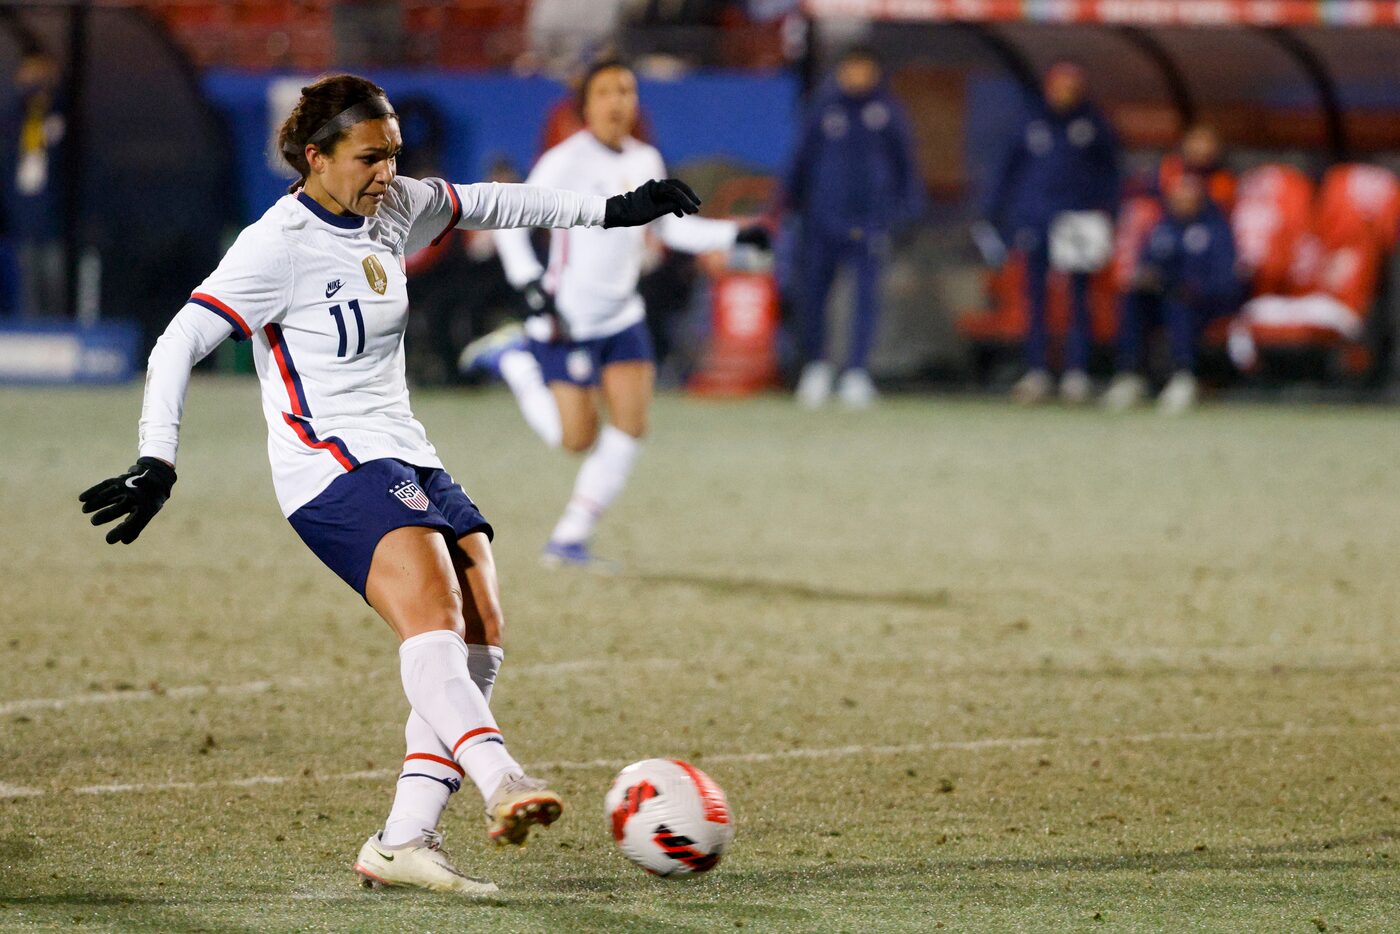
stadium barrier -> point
(57, 353)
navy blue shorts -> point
(344, 524)
(581, 362)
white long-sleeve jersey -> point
(593, 273)
(324, 300)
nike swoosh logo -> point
(384, 856)
(333, 287)
(131, 481)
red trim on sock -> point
(438, 759)
(470, 733)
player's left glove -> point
(137, 494)
(654, 199)
(543, 323)
(756, 236)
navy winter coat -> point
(854, 166)
(1194, 258)
(1058, 162)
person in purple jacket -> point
(853, 180)
(1185, 278)
(1063, 166)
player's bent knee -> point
(577, 442)
(418, 624)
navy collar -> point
(343, 221)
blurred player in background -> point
(1184, 279)
(852, 180)
(1052, 198)
(588, 334)
(318, 285)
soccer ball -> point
(668, 817)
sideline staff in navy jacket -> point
(1184, 279)
(1065, 158)
(853, 179)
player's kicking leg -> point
(452, 734)
(518, 801)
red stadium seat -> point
(1353, 229)
(1003, 321)
(1272, 214)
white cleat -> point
(1179, 395)
(483, 355)
(1076, 387)
(419, 863)
(1032, 389)
(856, 390)
(1126, 391)
(814, 388)
(519, 804)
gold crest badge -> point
(374, 273)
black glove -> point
(755, 236)
(138, 494)
(654, 199)
(537, 299)
(543, 322)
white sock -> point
(484, 661)
(601, 478)
(437, 680)
(426, 780)
(521, 372)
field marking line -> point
(19, 791)
(833, 752)
(1005, 742)
(140, 694)
(264, 685)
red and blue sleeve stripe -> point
(299, 418)
(241, 331)
(456, 213)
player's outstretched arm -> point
(435, 207)
(135, 496)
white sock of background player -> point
(521, 371)
(429, 776)
(601, 478)
(438, 682)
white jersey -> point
(324, 299)
(593, 273)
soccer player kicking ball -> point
(317, 284)
(588, 330)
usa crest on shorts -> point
(411, 495)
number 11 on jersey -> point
(340, 324)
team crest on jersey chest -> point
(374, 274)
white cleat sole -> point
(512, 820)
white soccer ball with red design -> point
(668, 817)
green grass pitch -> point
(955, 664)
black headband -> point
(371, 109)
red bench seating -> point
(1293, 239)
